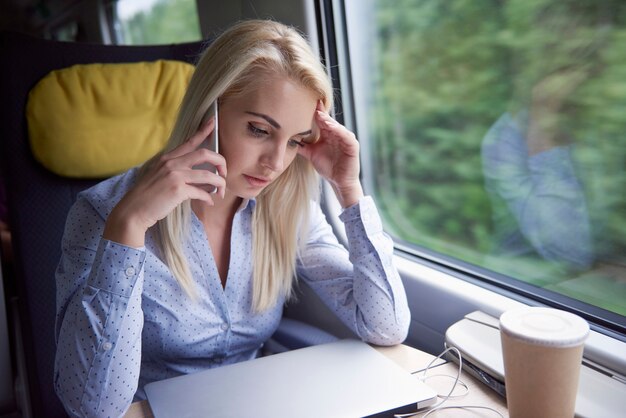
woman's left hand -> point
(335, 157)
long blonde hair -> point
(234, 64)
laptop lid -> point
(347, 378)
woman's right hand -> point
(170, 181)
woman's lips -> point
(256, 181)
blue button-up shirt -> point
(124, 321)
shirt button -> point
(107, 346)
(224, 327)
(130, 272)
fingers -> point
(175, 184)
(325, 121)
(190, 155)
(207, 180)
(197, 158)
(202, 167)
(201, 193)
(202, 133)
(194, 141)
(202, 157)
(331, 130)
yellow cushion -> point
(97, 120)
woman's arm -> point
(100, 278)
(99, 318)
(362, 285)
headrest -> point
(97, 120)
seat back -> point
(38, 200)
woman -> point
(159, 277)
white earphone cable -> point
(439, 406)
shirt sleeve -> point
(361, 285)
(99, 318)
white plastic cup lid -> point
(545, 326)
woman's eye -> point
(256, 131)
(294, 143)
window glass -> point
(141, 22)
(493, 133)
(67, 32)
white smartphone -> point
(211, 142)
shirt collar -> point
(245, 203)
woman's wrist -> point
(349, 195)
(124, 230)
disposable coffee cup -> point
(542, 350)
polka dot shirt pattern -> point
(123, 321)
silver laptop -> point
(342, 379)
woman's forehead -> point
(289, 105)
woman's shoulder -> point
(105, 195)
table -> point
(415, 361)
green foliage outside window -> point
(168, 21)
(445, 71)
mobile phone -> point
(211, 142)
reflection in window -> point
(495, 134)
(141, 22)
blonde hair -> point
(235, 64)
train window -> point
(155, 21)
(67, 32)
(493, 139)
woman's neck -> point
(222, 211)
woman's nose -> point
(274, 157)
